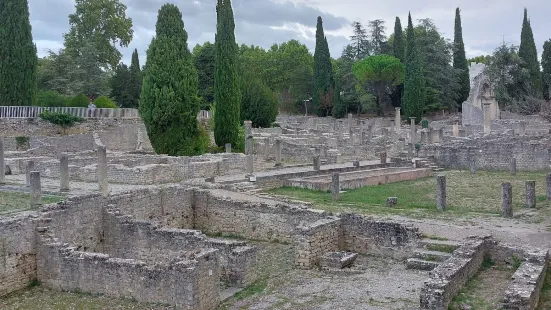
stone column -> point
(30, 167)
(397, 120)
(36, 189)
(2, 164)
(228, 147)
(382, 156)
(530, 194)
(350, 121)
(369, 133)
(335, 186)
(102, 170)
(548, 186)
(430, 135)
(441, 134)
(410, 150)
(441, 192)
(363, 138)
(455, 129)
(267, 148)
(424, 136)
(315, 123)
(64, 172)
(506, 200)
(249, 164)
(249, 137)
(278, 152)
(317, 163)
(413, 131)
(487, 118)
(513, 166)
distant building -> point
(481, 92)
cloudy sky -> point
(486, 23)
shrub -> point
(425, 123)
(79, 101)
(51, 98)
(22, 142)
(64, 120)
(259, 103)
(103, 102)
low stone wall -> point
(526, 283)
(316, 239)
(449, 277)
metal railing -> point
(32, 112)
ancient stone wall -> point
(316, 239)
(17, 253)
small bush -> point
(22, 142)
(51, 98)
(79, 101)
(64, 120)
(203, 140)
(103, 102)
(425, 123)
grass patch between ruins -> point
(467, 194)
(15, 201)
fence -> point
(32, 112)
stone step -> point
(420, 264)
(433, 256)
(438, 245)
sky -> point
(486, 23)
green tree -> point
(460, 59)
(169, 104)
(227, 91)
(323, 80)
(339, 107)
(399, 51)
(79, 101)
(204, 59)
(102, 102)
(378, 36)
(51, 98)
(360, 41)
(481, 59)
(529, 54)
(379, 73)
(414, 83)
(259, 103)
(102, 23)
(546, 66)
(136, 80)
(18, 60)
(120, 87)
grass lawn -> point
(15, 201)
(467, 194)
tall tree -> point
(378, 36)
(323, 72)
(102, 23)
(350, 99)
(18, 60)
(460, 59)
(227, 91)
(399, 51)
(204, 58)
(136, 79)
(120, 86)
(360, 41)
(414, 82)
(529, 54)
(546, 66)
(169, 103)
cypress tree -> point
(398, 50)
(136, 79)
(169, 103)
(529, 54)
(546, 66)
(460, 59)
(322, 73)
(227, 93)
(18, 60)
(414, 82)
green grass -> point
(446, 248)
(253, 289)
(467, 195)
(16, 202)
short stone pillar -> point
(267, 148)
(317, 163)
(397, 120)
(102, 170)
(424, 136)
(441, 192)
(382, 156)
(363, 138)
(278, 152)
(249, 137)
(413, 131)
(2, 164)
(548, 186)
(530, 194)
(513, 166)
(36, 189)
(228, 147)
(410, 150)
(506, 200)
(64, 172)
(441, 134)
(487, 118)
(430, 134)
(335, 186)
(369, 133)
(455, 129)
(350, 121)
(315, 123)
(249, 164)
(30, 167)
